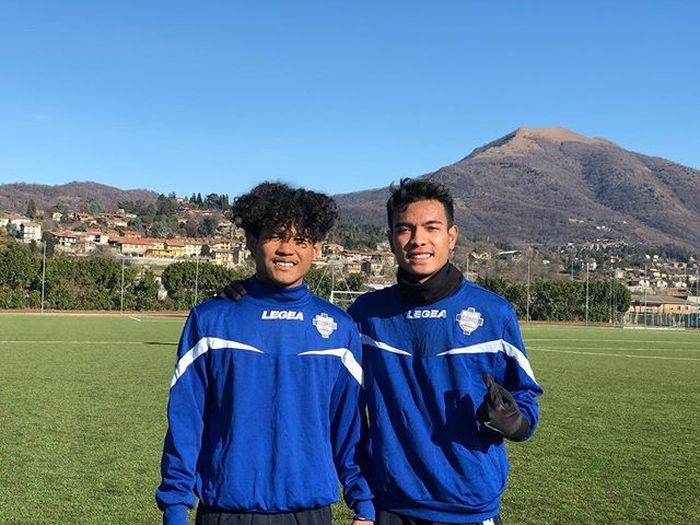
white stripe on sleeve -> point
(367, 340)
(495, 346)
(346, 357)
(202, 347)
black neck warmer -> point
(438, 286)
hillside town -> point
(658, 284)
(83, 234)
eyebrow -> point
(430, 222)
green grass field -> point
(82, 401)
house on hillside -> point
(30, 232)
(229, 258)
(137, 247)
(66, 241)
(86, 218)
(353, 267)
(638, 285)
(372, 266)
(80, 243)
(114, 221)
(12, 219)
(176, 246)
(97, 237)
(660, 304)
(219, 244)
(330, 248)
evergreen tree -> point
(31, 209)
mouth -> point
(417, 257)
(283, 264)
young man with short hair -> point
(265, 402)
(446, 375)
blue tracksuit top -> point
(430, 456)
(265, 410)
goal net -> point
(343, 299)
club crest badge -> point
(325, 325)
(469, 320)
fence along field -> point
(82, 402)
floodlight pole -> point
(646, 279)
(121, 295)
(697, 299)
(615, 301)
(467, 267)
(527, 300)
(43, 278)
(572, 267)
(611, 297)
(587, 281)
(196, 280)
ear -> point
(390, 238)
(452, 234)
(317, 248)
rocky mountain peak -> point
(531, 141)
(554, 186)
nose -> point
(418, 238)
(284, 247)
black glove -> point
(233, 291)
(502, 413)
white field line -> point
(135, 318)
(148, 318)
(17, 341)
(613, 348)
(604, 354)
(606, 340)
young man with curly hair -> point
(264, 414)
(447, 375)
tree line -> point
(98, 283)
(101, 283)
(562, 299)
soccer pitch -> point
(82, 402)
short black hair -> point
(277, 207)
(414, 190)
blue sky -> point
(215, 96)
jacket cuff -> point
(364, 510)
(175, 515)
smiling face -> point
(421, 238)
(283, 258)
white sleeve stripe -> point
(202, 347)
(515, 352)
(489, 347)
(495, 346)
(367, 340)
(346, 357)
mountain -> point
(74, 196)
(552, 186)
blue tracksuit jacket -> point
(265, 407)
(430, 457)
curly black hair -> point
(414, 190)
(276, 207)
